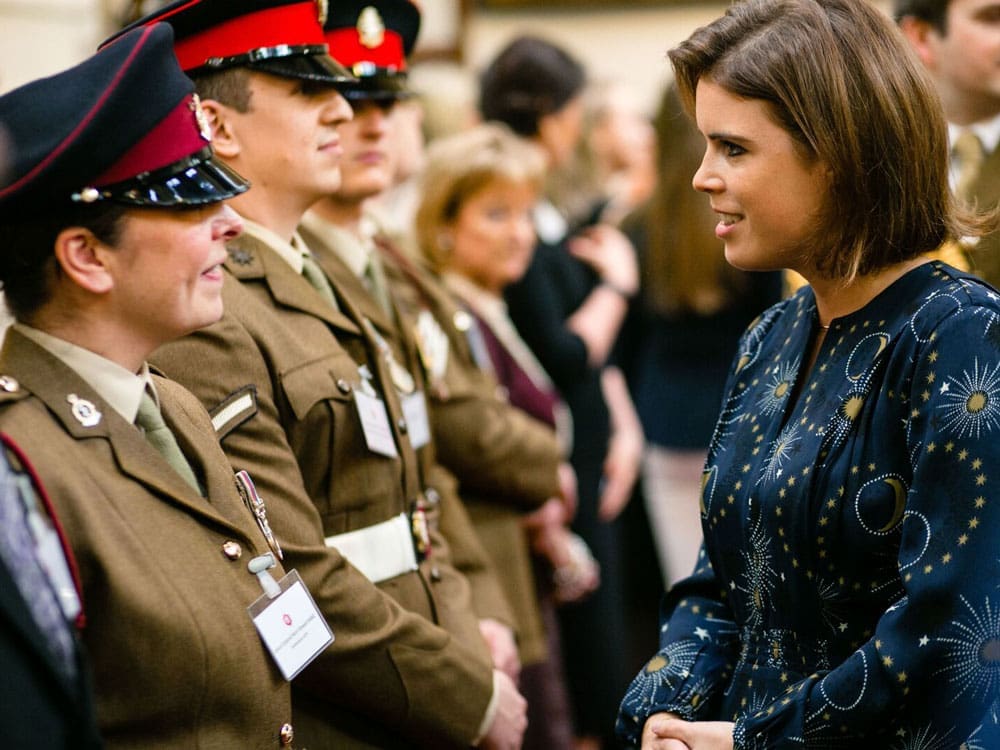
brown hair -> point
(460, 165)
(841, 80)
(684, 268)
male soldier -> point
(296, 385)
(959, 44)
(477, 435)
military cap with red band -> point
(372, 39)
(123, 126)
(280, 37)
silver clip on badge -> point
(248, 491)
(260, 566)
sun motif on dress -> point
(759, 575)
(923, 739)
(779, 388)
(781, 451)
(972, 662)
(972, 401)
(671, 665)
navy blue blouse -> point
(848, 593)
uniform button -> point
(433, 498)
(232, 550)
(435, 574)
(343, 386)
(287, 735)
(8, 383)
(402, 425)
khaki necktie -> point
(968, 151)
(161, 438)
(374, 278)
(317, 279)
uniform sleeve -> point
(467, 554)
(386, 663)
(928, 675)
(698, 648)
(481, 439)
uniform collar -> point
(291, 252)
(119, 387)
(355, 251)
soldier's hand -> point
(511, 719)
(503, 647)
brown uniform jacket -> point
(505, 460)
(468, 553)
(278, 373)
(177, 662)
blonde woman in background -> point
(474, 227)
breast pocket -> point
(350, 485)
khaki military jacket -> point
(177, 662)
(277, 374)
(505, 460)
(467, 551)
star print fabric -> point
(848, 594)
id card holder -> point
(287, 619)
(418, 424)
(375, 424)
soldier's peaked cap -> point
(123, 126)
(280, 37)
(372, 39)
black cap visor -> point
(198, 180)
(309, 62)
(378, 87)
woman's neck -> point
(835, 299)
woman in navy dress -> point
(847, 593)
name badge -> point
(375, 424)
(289, 622)
(415, 412)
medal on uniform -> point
(84, 411)
(421, 529)
(253, 501)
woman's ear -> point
(220, 120)
(81, 256)
(923, 38)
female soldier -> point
(113, 231)
(847, 592)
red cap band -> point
(176, 136)
(285, 25)
(347, 49)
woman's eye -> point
(732, 149)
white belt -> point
(381, 551)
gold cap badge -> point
(371, 28)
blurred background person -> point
(680, 337)
(568, 308)
(958, 42)
(612, 170)
(474, 227)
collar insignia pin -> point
(84, 411)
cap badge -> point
(371, 28)
(322, 10)
(204, 127)
(84, 411)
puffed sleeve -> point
(698, 646)
(929, 674)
